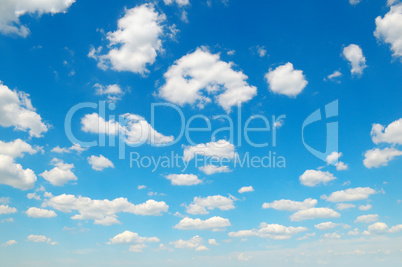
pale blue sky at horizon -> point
(79, 71)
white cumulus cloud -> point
(14, 175)
(344, 206)
(314, 213)
(333, 76)
(215, 223)
(290, 205)
(326, 226)
(198, 76)
(331, 236)
(33, 196)
(112, 91)
(180, 3)
(136, 43)
(212, 169)
(183, 179)
(219, 149)
(333, 157)
(391, 134)
(351, 194)
(365, 207)
(377, 157)
(213, 242)
(40, 213)
(12, 10)
(367, 218)
(395, 229)
(16, 110)
(136, 130)
(17, 148)
(9, 243)
(313, 177)
(75, 147)
(354, 2)
(193, 243)
(202, 205)
(103, 212)
(285, 80)
(377, 228)
(5, 209)
(99, 163)
(60, 174)
(354, 54)
(128, 237)
(246, 189)
(272, 231)
(389, 29)
(41, 239)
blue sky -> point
(63, 202)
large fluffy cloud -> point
(391, 134)
(354, 54)
(380, 157)
(313, 177)
(102, 211)
(351, 194)
(290, 205)
(16, 110)
(314, 213)
(285, 80)
(272, 231)
(202, 205)
(389, 29)
(12, 10)
(197, 76)
(14, 175)
(215, 223)
(136, 42)
(136, 130)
